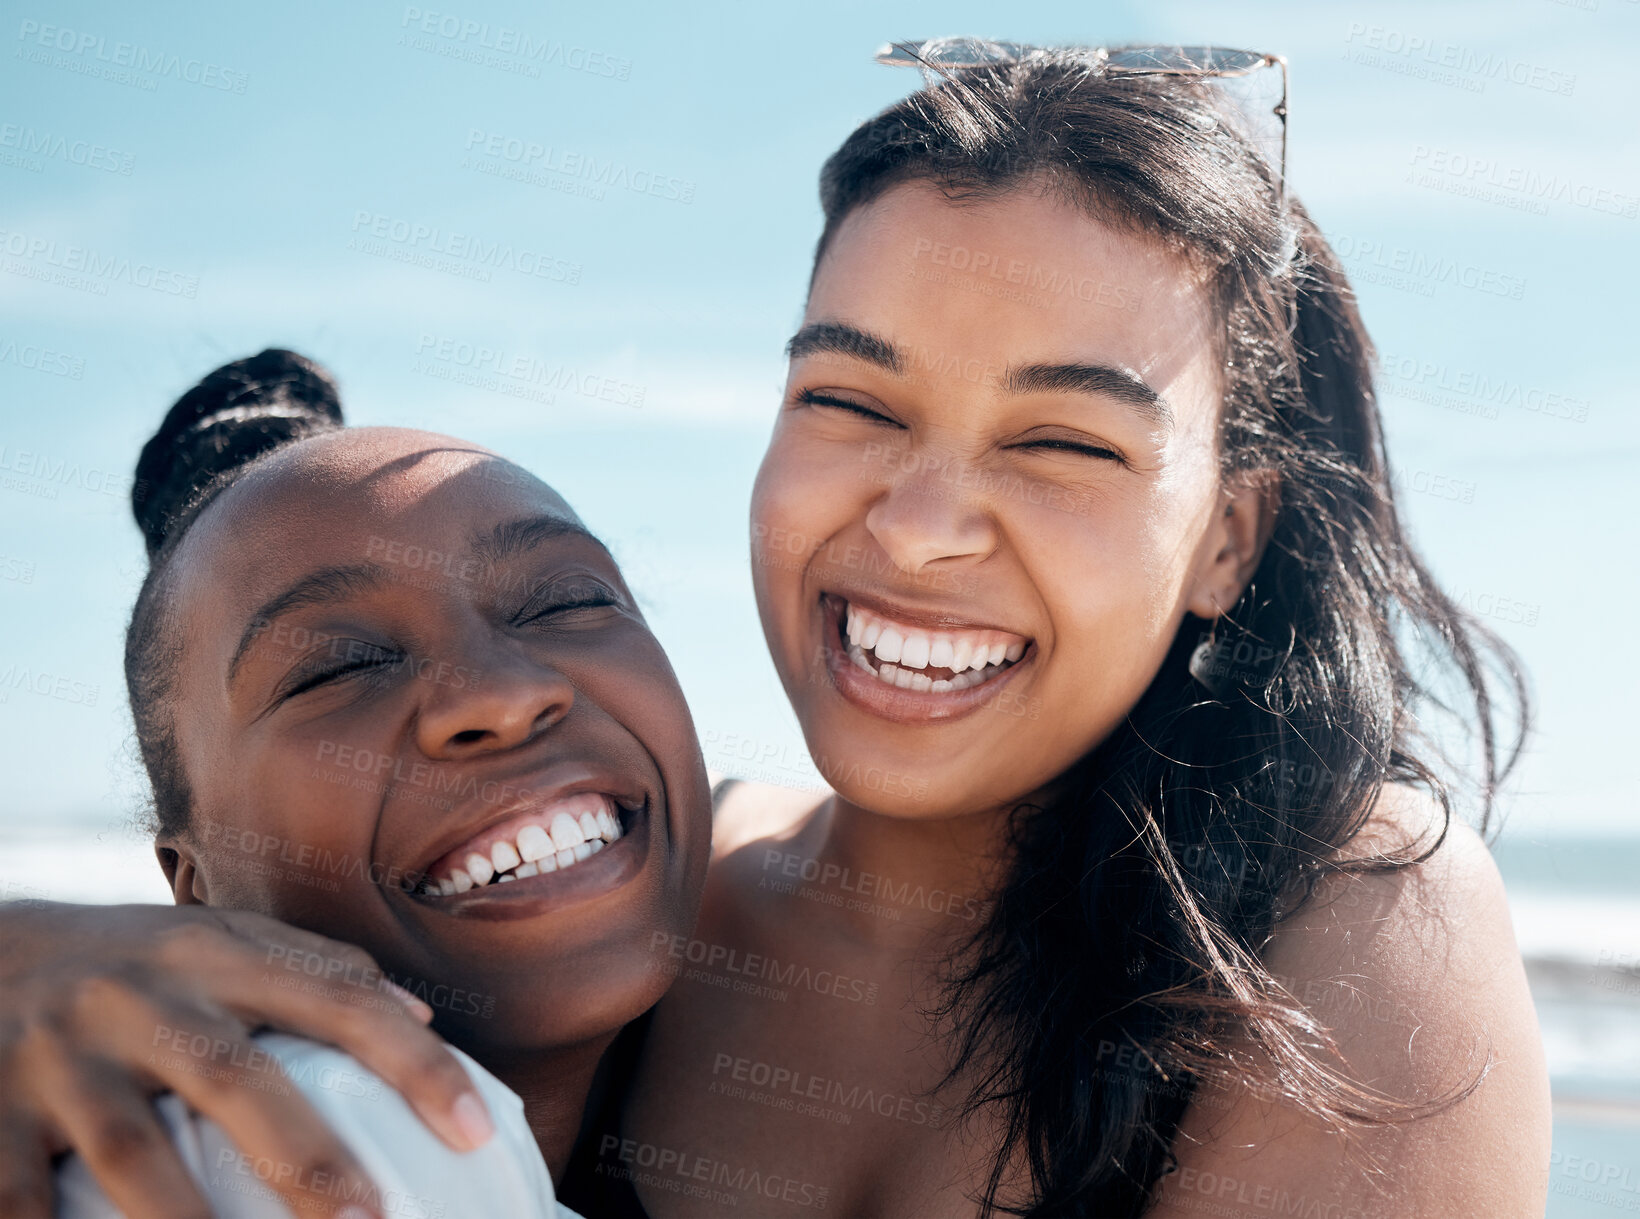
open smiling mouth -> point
(947, 666)
(556, 836)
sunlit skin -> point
(935, 490)
(1071, 519)
(465, 683)
(1067, 517)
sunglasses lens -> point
(1186, 59)
(950, 53)
(1256, 100)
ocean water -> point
(1576, 910)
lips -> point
(908, 665)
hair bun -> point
(234, 415)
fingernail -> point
(472, 1119)
(417, 1007)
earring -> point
(1210, 665)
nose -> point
(928, 516)
(503, 701)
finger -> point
(221, 1073)
(267, 973)
(409, 1057)
(226, 937)
(114, 1128)
(25, 1167)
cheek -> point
(784, 517)
(344, 759)
(1108, 573)
(806, 488)
(629, 679)
(296, 804)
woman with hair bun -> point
(1099, 618)
(533, 812)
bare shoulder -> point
(1415, 974)
(748, 812)
(1408, 922)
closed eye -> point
(368, 659)
(562, 599)
(567, 606)
(1073, 446)
(814, 397)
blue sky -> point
(235, 178)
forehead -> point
(1021, 277)
(346, 496)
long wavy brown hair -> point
(1119, 973)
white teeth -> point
(940, 686)
(899, 648)
(921, 681)
(505, 857)
(571, 837)
(904, 677)
(914, 652)
(566, 832)
(534, 842)
(538, 849)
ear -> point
(182, 874)
(1245, 516)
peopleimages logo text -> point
(96, 265)
(505, 40)
(464, 248)
(130, 55)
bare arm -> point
(103, 1007)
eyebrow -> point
(315, 588)
(509, 540)
(1078, 377)
(846, 340)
